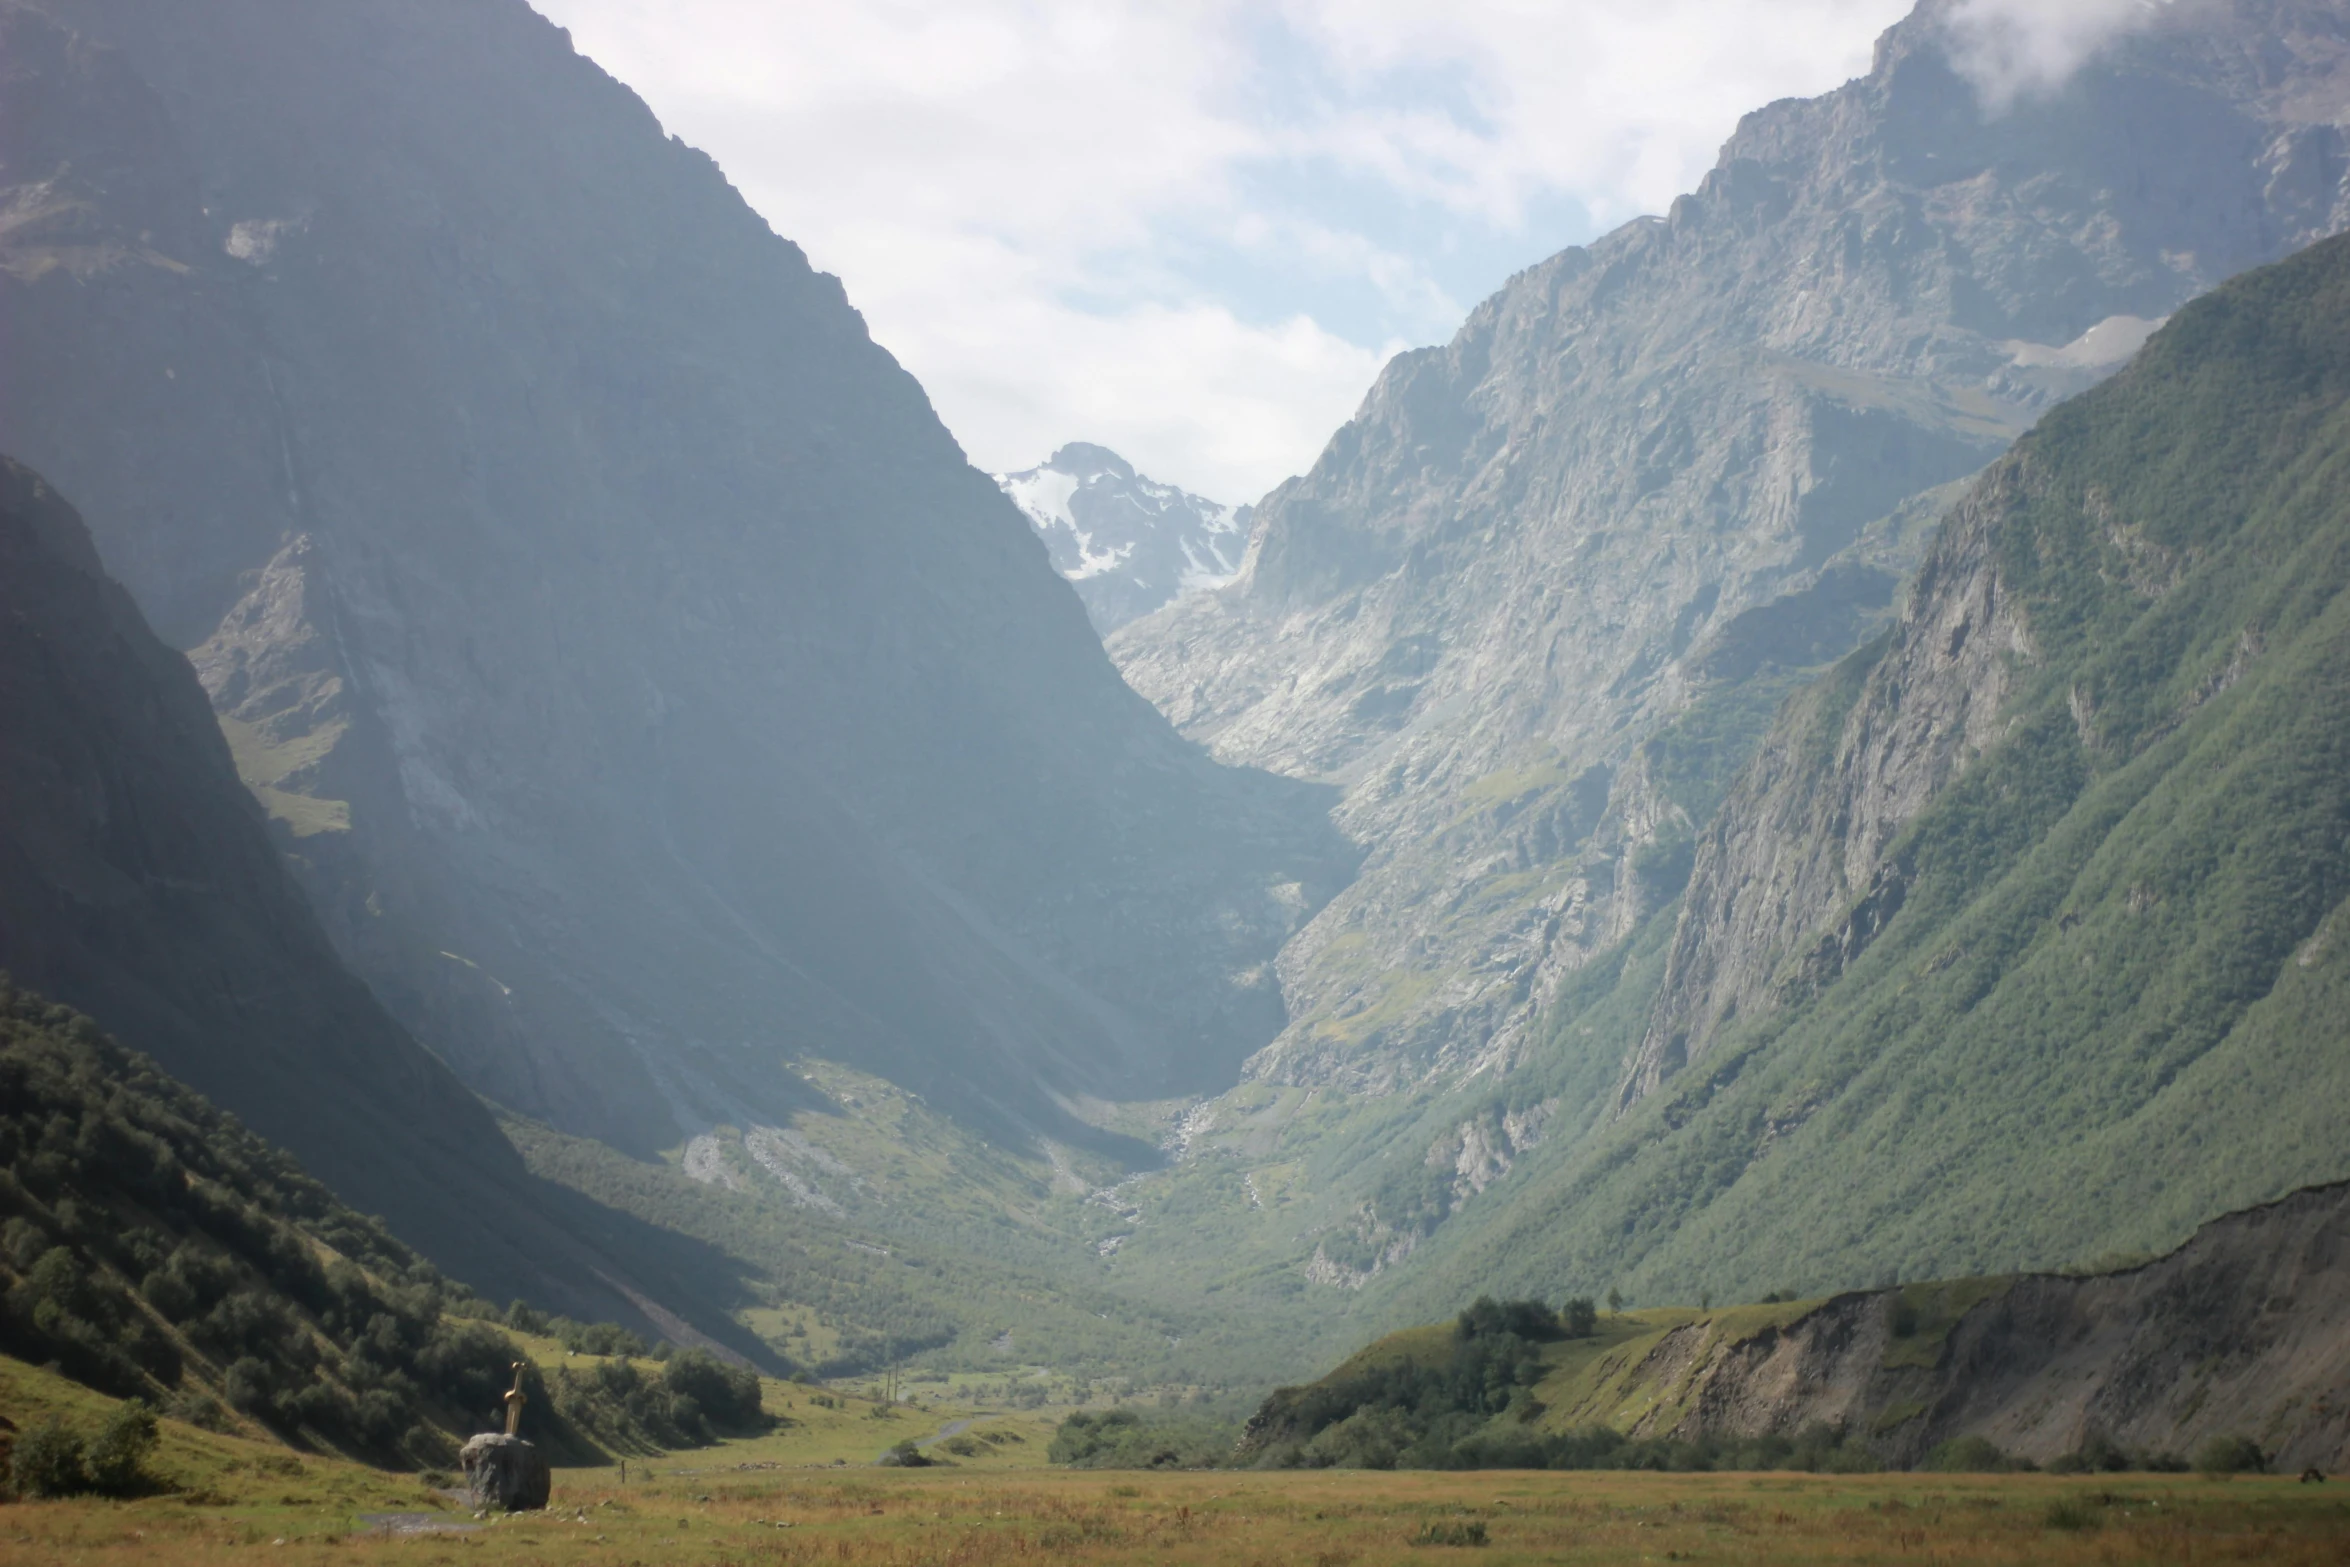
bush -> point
(118, 1459)
(2096, 1455)
(48, 1461)
(1968, 1455)
(1471, 1532)
(2228, 1455)
(198, 1408)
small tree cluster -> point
(53, 1460)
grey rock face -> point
(505, 1474)
(648, 689)
(1805, 833)
(1647, 471)
(1127, 543)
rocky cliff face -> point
(1127, 543)
(1648, 474)
(2240, 1332)
(1800, 849)
(648, 689)
(138, 883)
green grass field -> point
(717, 1513)
(809, 1493)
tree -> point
(1615, 1303)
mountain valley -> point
(1802, 752)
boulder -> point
(505, 1473)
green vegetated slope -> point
(2112, 1001)
(152, 1247)
(862, 1283)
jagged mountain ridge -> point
(648, 689)
(1126, 542)
(1696, 452)
(138, 882)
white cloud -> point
(1193, 231)
(2011, 49)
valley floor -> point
(703, 1511)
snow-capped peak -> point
(1128, 543)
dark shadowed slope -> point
(139, 884)
(650, 690)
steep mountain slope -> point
(2019, 940)
(1128, 543)
(2244, 1331)
(1650, 478)
(154, 1247)
(138, 882)
(650, 691)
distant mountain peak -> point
(1126, 542)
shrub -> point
(196, 1407)
(1968, 1455)
(48, 1461)
(1453, 1532)
(118, 1458)
(2227, 1455)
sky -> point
(1193, 230)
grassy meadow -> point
(809, 1493)
(716, 1512)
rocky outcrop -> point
(2243, 1331)
(505, 1474)
(1647, 473)
(647, 689)
(1802, 841)
(1127, 543)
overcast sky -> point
(1192, 230)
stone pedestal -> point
(505, 1473)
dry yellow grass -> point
(955, 1518)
